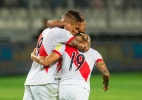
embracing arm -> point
(45, 61)
(55, 23)
(105, 73)
(74, 43)
(81, 43)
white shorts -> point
(73, 92)
(41, 92)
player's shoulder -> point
(93, 51)
(59, 30)
(46, 29)
(55, 29)
(64, 30)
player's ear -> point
(68, 27)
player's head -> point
(80, 18)
(73, 19)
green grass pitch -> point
(123, 86)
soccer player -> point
(40, 83)
(76, 70)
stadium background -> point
(115, 27)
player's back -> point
(77, 66)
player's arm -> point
(75, 42)
(82, 45)
(45, 61)
(105, 73)
(55, 23)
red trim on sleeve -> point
(42, 52)
(70, 40)
(57, 52)
(99, 60)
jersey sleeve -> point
(65, 36)
(98, 57)
(59, 49)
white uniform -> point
(76, 71)
(40, 75)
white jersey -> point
(47, 41)
(77, 66)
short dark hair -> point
(76, 14)
(72, 16)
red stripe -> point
(42, 52)
(84, 70)
(59, 63)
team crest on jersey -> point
(58, 46)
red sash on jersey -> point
(42, 52)
(84, 70)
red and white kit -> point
(48, 40)
(76, 72)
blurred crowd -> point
(102, 16)
(115, 24)
(125, 4)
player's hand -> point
(105, 87)
(55, 23)
(33, 53)
(85, 47)
(87, 43)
